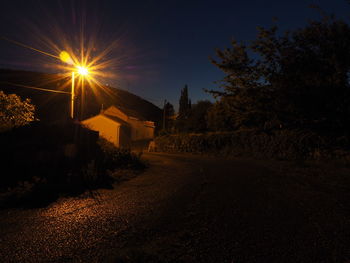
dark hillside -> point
(52, 107)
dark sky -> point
(160, 45)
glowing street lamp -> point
(84, 69)
(81, 70)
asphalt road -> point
(189, 209)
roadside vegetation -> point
(14, 112)
(280, 145)
(285, 95)
(42, 161)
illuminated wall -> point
(140, 130)
(107, 128)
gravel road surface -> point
(187, 208)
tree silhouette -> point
(298, 79)
(184, 104)
(197, 120)
(168, 118)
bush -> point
(112, 157)
(65, 157)
(14, 111)
(282, 144)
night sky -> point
(159, 46)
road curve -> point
(187, 208)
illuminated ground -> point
(192, 209)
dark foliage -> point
(283, 145)
(168, 117)
(296, 80)
(14, 112)
(191, 118)
(46, 151)
(220, 117)
(59, 158)
(184, 104)
(197, 118)
(113, 158)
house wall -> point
(107, 128)
(149, 129)
(139, 131)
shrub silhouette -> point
(58, 158)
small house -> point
(122, 127)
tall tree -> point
(184, 104)
(298, 79)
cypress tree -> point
(184, 104)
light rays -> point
(83, 70)
(108, 52)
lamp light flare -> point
(82, 70)
(65, 57)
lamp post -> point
(81, 70)
(72, 95)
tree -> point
(14, 112)
(184, 111)
(219, 117)
(168, 116)
(184, 104)
(197, 120)
(296, 79)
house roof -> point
(111, 114)
(131, 113)
(128, 112)
(116, 119)
(109, 117)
